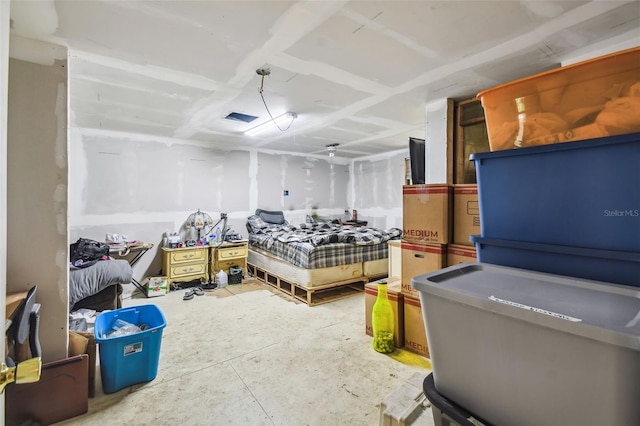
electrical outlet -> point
(286, 192)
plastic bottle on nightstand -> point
(382, 321)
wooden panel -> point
(232, 252)
(311, 296)
(188, 255)
(470, 137)
(178, 271)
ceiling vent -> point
(236, 116)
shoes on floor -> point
(194, 291)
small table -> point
(228, 254)
(185, 264)
(131, 253)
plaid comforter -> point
(320, 245)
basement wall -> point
(376, 188)
(142, 186)
(37, 194)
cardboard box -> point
(415, 335)
(83, 342)
(155, 286)
(426, 213)
(395, 259)
(460, 254)
(418, 259)
(466, 213)
(395, 297)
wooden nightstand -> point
(185, 264)
(228, 254)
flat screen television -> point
(417, 160)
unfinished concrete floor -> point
(248, 355)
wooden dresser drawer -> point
(226, 264)
(227, 253)
(189, 255)
(188, 269)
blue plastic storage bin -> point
(600, 265)
(578, 194)
(127, 360)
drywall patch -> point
(284, 162)
(253, 180)
(59, 207)
(61, 130)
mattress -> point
(307, 252)
(317, 277)
(306, 255)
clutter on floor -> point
(406, 405)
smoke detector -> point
(332, 148)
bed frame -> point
(314, 286)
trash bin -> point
(129, 359)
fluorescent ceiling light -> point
(277, 122)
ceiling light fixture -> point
(273, 123)
(332, 148)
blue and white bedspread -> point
(321, 245)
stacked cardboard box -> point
(434, 216)
(460, 254)
(415, 334)
(466, 213)
(426, 211)
(427, 229)
(418, 259)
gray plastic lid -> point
(593, 309)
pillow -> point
(255, 224)
(275, 217)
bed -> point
(98, 286)
(316, 261)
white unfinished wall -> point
(376, 188)
(37, 194)
(142, 186)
